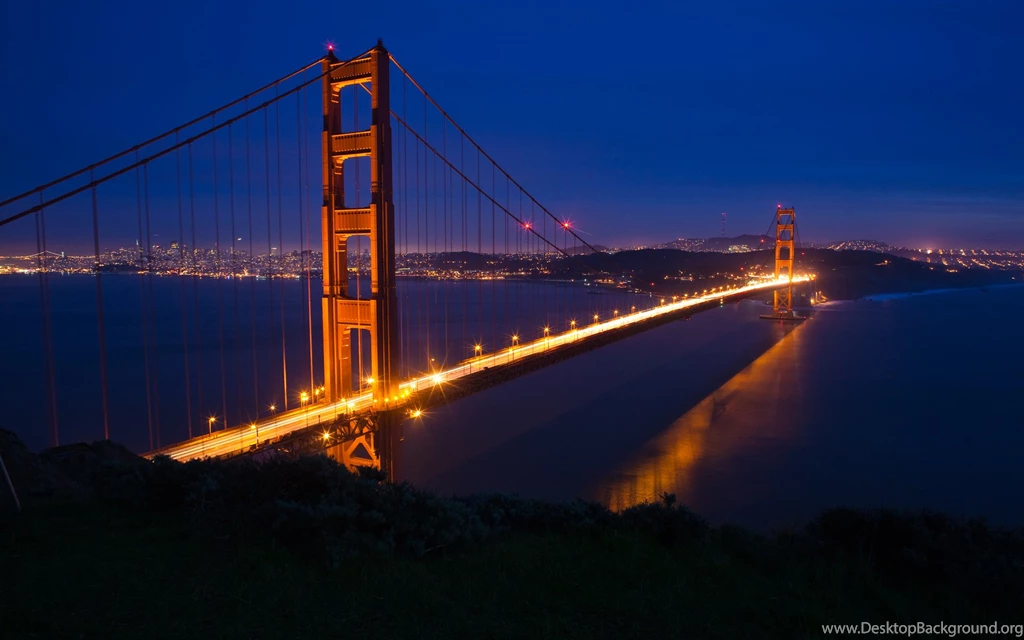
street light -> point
(212, 420)
(595, 318)
(257, 428)
(515, 340)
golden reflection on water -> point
(750, 406)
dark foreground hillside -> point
(111, 546)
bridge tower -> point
(785, 228)
(785, 255)
(343, 310)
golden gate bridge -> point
(417, 225)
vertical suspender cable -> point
(399, 210)
(445, 181)
(309, 247)
(303, 247)
(252, 267)
(195, 284)
(494, 258)
(152, 310)
(238, 367)
(142, 300)
(463, 281)
(419, 249)
(99, 312)
(181, 283)
(44, 309)
(220, 289)
(270, 242)
(280, 244)
(406, 311)
(480, 257)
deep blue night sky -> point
(899, 121)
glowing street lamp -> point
(477, 351)
(256, 428)
(212, 420)
(547, 331)
(595, 318)
(515, 340)
(304, 400)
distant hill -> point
(734, 244)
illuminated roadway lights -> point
(224, 442)
(255, 427)
(596, 318)
(477, 352)
(211, 421)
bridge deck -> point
(235, 439)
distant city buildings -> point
(179, 259)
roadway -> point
(236, 439)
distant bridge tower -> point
(343, 312)
(785, 230)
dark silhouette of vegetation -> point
(310, 549)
